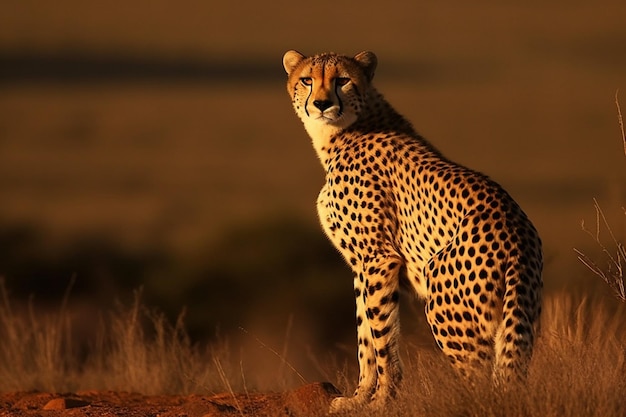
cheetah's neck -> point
(321, 136)
(378, 116)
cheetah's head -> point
(327, 90)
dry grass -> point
(135, 349)
(577, 369)
(36, 352)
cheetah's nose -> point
(322, 104)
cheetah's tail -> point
(515, 335)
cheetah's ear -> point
(368, 61)
(291, 59)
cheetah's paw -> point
(341, 405)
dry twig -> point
(613, 275)
(620, 120)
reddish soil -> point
(308, 400)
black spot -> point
(454, 345)
(380, 333)
(373, 288)
(518, 313)
(483, 342)
(458, 265)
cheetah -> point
(400, 212)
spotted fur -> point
(396, 207)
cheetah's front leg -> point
(366, 354)
(376, 291)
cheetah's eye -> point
(341, 81)
(306, 80)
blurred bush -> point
(263, 271)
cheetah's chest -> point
(328, 216)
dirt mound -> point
(308, 400)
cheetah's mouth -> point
(326, 119)
(329, 117)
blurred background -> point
(152, 144)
